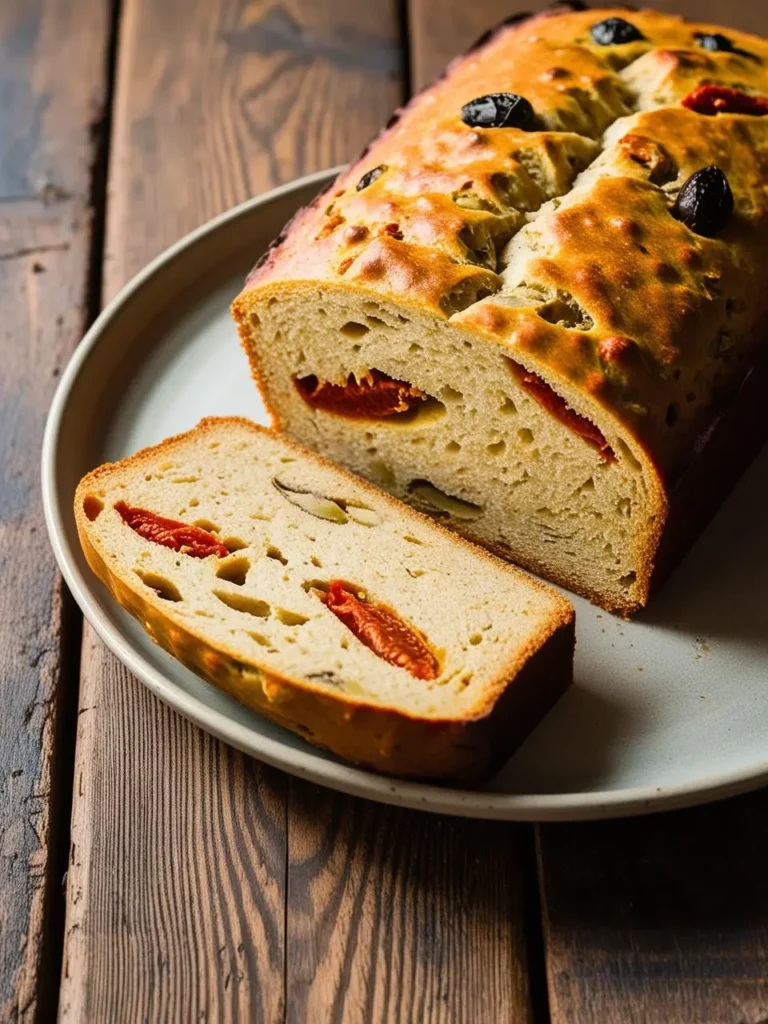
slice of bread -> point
(324, 604)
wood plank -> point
(401, 916)
(49, 129)
(441, 30)
(176, 893)
(659, 919)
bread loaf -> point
(532, 305)
(324, 604)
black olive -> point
(498, 110)
(370, 176)
(574, 5)
(614, 32)
(705, 202)
(716, 42)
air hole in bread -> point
(628, 580)
(93, 507)
(260, 639)
(289, 618)
(206, 524)
(624, 506)
(233, 544)
(413, 540)
(415, 573)
(243, 603)
(165, 589)
(508, 407)
(449, 394)
(188, 478)
(353, 330)
(565, 311)
(497, 448)
(453, 447)
(234, 570)
(277, 554)
(316, 562)
(671, 415)
(525, 435)
(376, 321)
(476, 639)
(627, 456)
(588, 485)
(415, 347)
(438, 501)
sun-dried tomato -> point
(189, 540)
(720, 99)
(373, 397)
(381, 630)
(559, 408)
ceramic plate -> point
(668, 710)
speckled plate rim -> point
(306, 764)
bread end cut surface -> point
(251, 613)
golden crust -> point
(428, 232)
(390, 740)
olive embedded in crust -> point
(498, 110)
(614, 32)
(705, 203)
(716, 42)
(370, 176)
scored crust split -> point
(533, 316)
(225, 544)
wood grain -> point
(659, 919)
(440, 30)
(399, 916)
(177, 883)
(49, 130)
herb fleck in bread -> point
(324, 604)
(529, 307)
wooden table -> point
(194, 884)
